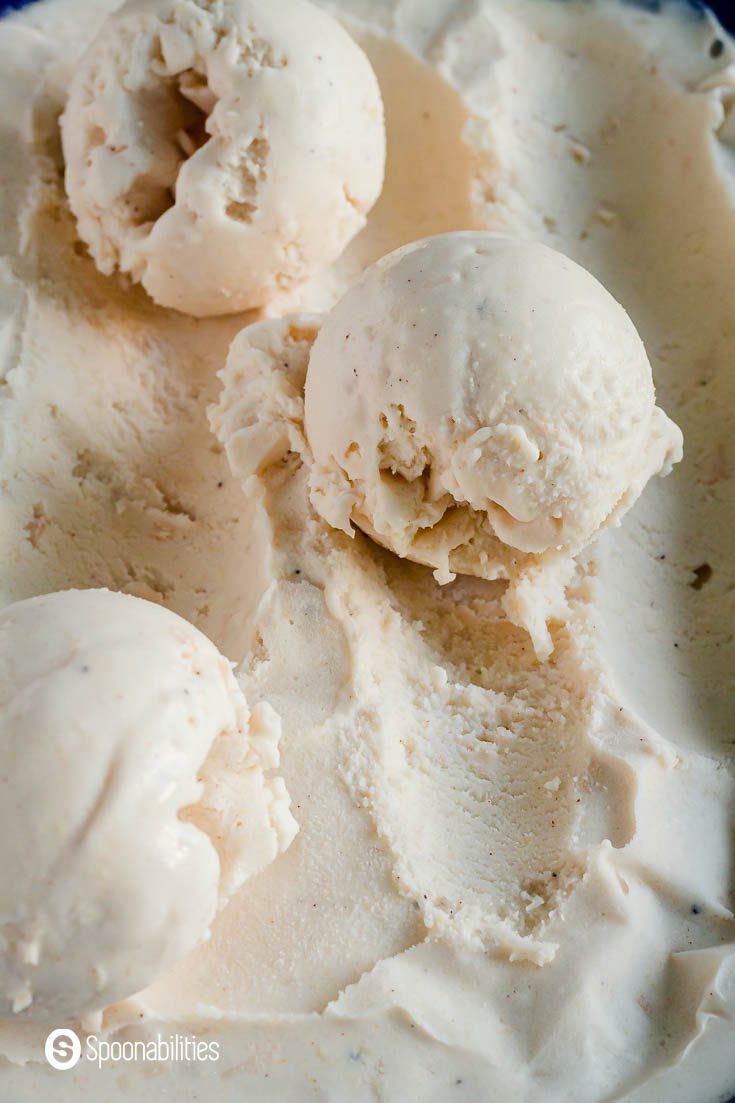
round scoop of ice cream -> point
(133, 798)
(221, 151)
(476, 403)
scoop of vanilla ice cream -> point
(132, 797)
(221, 150)
(481, 404)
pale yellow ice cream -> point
(133, 797)
(512, 880)
(221, 152)
(474, 397)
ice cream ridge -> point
(134, 799)
(484, 406)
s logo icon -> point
(63, 1049)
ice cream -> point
(474, 397)
(512, 878)
(133, 797)
(221, 152)
(508, 793)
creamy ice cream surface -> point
(473, 397)
(221, 152)
(134, 797)
(513, 876)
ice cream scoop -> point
(220, 152)
(483, 405)
(133, 797)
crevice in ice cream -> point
(135, 797)
(427, 661)
(221, 152)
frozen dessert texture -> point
(259, 415)
(482, 405)
(426, 661)
(133, 797)
(499, 784)
(460, 804)
(220, 151)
